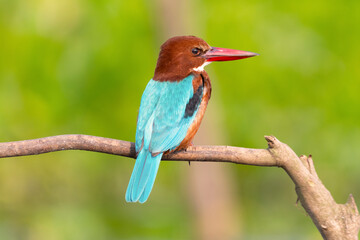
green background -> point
(77, 66)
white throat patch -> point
(201, 68)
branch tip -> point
(351, 202)
(303, 159)
(271, 141)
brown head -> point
(180, 56)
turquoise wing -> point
(170, 121)
(162, 125)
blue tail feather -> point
(143, 176)
(128, 196)
(151, 179)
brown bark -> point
(334, 221)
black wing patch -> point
(194, 102)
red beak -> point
(225, 54)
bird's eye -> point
(196, 51)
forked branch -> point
(334, 221)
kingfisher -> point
(172, 106)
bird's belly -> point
(194, 127)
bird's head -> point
(183, 55)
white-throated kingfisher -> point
(172, 106)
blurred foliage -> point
(76, 66)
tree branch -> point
(334, 221)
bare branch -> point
(259, 157)
(334, 221)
